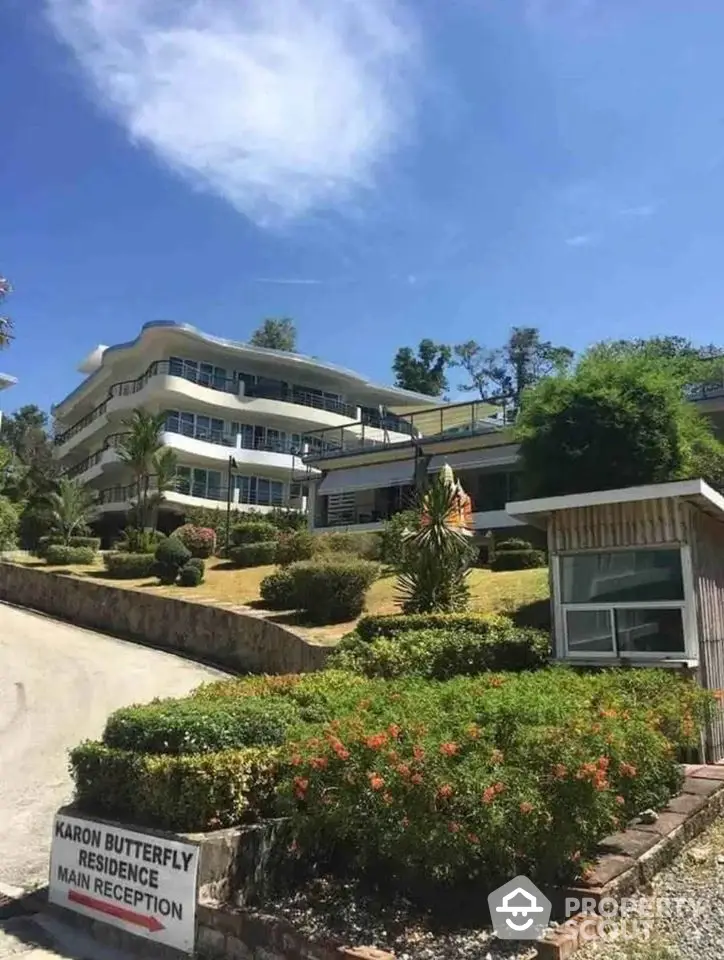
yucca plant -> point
(438, 556)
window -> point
(172, 421)
(623, 603)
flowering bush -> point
(487, 777)
(199, 541)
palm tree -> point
(143, 451)
(71, 507)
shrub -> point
(183, 792)
(199, 541)
(513, 543)
(441, 654)
(93, 543)
(135, 540)
(482, 778)
(518, 560)
(129, 566)
(213, 519)
(392, 539)
(9, 522)
(198, 726)
(253, 554)
(295, 545)
(59, 555)
(332, 591)
(171, 555)
(253, 531)
(46, 541)
(190, 575)
(366, 546)
(278, 591)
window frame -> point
(687, 605)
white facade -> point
(222, 400)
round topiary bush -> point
(199, 541)
(190, 575)
(518, 559)
(334, 590)
(253, 531)
(278, 590)
(171, 557)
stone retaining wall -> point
(234, 641)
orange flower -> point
(559, 771)
(608, 713)
(418, 753)
(300, 787)
(526, 808)
(449, 749)
(394, 731)
(387, 797)
(376, 741)
(296, 760)
(603, 763)
(376, 781)
(600, 781)
(342, 752)
(499, 787)
(489, 794)
(496, 756)
(627, 770)
(445, 791)
(496, 682)
(404, 771)
(319, 763)
(416, 778)
(454, 827)
(473, 838)
(620, 800)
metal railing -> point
(283, 393)
(111, 442)
(204, 491)
(230, 440)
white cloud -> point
(581, 240)
(279, 106)
(644, 210)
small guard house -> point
(637, 577)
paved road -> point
(58, 684)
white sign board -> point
(139, 882)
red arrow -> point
(121, 913)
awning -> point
(505, 455)
(395, 474)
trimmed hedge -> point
(129, 566)
(171, 556)
(197, 726)
(365, 546)
(333, 590)
(60, 555)
(253, 554)
(518, 560)
(374, 626)
(295, 545)
(254, 531)
(185, 792)
(199, 541)
(278, 591)
(479, 779)
(442, 654)
(514, 543)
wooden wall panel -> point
(645, 523)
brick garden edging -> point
(630, 859)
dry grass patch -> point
(491, 592)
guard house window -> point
(623, 603)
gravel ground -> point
(324, 909)
(694, 931)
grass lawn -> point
(491, 592)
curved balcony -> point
(185, 493)
(218, 447)
(183, 382)
(93, 465)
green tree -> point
(438, 554)
(72, 506)
(520, 363)
(153, 466)
(424, 372)
(6, 324)
(276, 334)
(621, 418)
(8, 524)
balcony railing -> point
(205, 491)
(283, 393)
(111, 442)
(229, 440)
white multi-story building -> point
(232, 411)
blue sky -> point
(380, 170)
